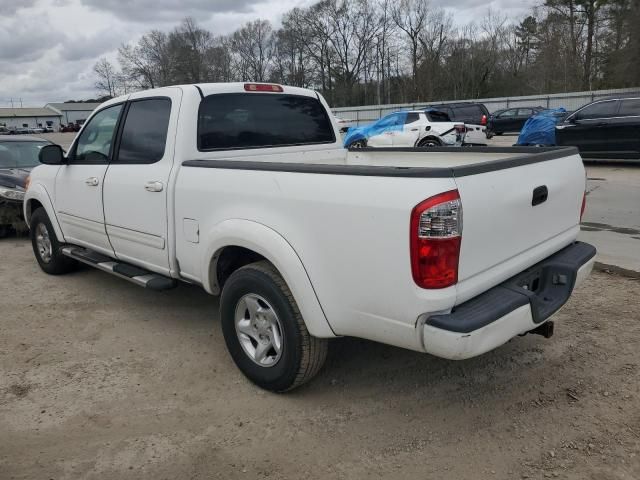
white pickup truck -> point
(245, 189)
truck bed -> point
(394, 162)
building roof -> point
(28, 112)
(74, 107)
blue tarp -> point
(390, 123)
(541, 128)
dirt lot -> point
(101, 379)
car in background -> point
(474, 115)
(343, 124)
(4, 130)
(18, 156)
(72, 127)
(19, 131)
(607, 128)
(415, 128)
(508, 120)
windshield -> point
(20, 154)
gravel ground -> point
(100, 379)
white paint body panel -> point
(136, 219)
(341, 242)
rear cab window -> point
(233, 121)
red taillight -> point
(262, 87)
(483, 121)
(584, 204)
(435, 236)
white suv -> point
(416, 128)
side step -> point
(137, 275)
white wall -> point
(31, 122)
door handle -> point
(153, 186)
(92, 181)
(415, 129)
(540, 195)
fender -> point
(272, 246)
(37, 191)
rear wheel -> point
(265, 332)
(430, 142)
(46, 247)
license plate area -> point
(547, 287)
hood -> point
(14, 177)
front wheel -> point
(46, 247)
(265, 332)
(358, 144)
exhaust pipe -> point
(546, 330)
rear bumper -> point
(516, 306)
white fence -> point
(570, 101)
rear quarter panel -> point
(351, 233)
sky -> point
(48, 47)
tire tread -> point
(314, 349)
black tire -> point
(55, 263)
(302, 355)
(5, 230)
(358, 144)
(430, 142)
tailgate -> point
(502, 221)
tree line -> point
(359, 52)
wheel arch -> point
(37, 196)
(235, 243)
(429, 137)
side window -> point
(524, 112)
(630, 108)
(508, 113)
(388, 121)
(411, 117)
(598, 110)
(95, 141)
(145, 131)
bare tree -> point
(107, 78)
(410, 16)
(253, 45)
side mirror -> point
(51, 155)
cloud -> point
(48, 47)
(80, 47)
(168, 10)
(10, 7)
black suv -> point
(605, 128)
(510, 119)
(466, 112)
